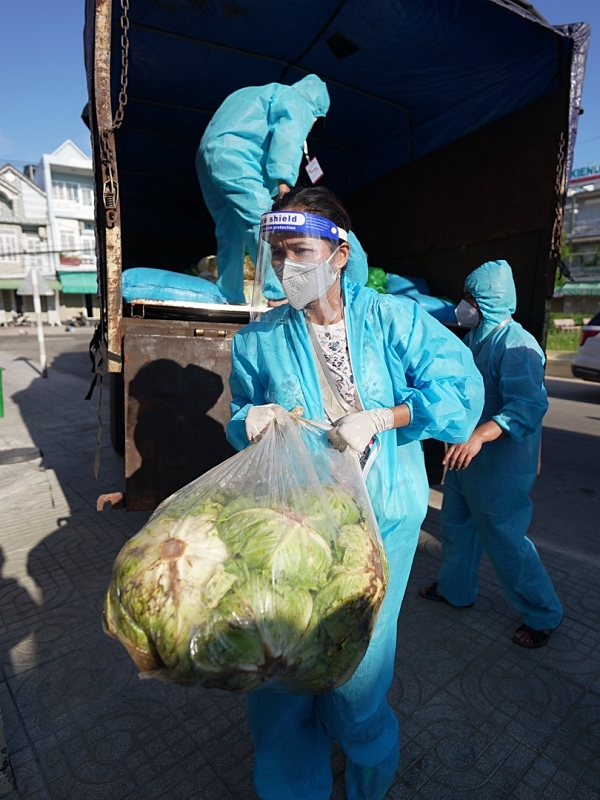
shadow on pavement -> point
(78, 721)
(480, 718)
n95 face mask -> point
(466, 315)
(297, 247)
(304, 282)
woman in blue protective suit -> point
(250, 152)
(388, 375)
(486, 497)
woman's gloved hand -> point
(259, 418)
(358, 429)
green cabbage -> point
(241, 591)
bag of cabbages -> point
(267, 570)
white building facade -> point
(66, 177)
(582, 237)
(24, 243)
(47, 222)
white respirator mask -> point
(466, 315)
(304, 282)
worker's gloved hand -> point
(259, 418)
(358, 429)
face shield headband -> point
(294, 253)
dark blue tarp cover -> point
(406, 77)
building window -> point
(72, 190)
(67, 243)
(87, 197)
(66, 191)
(8, 246)
(6, 207)
(35, 250)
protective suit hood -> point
(314, 91)
(493, 286)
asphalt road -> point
(65, 351)
(567, 492)
(566, 495)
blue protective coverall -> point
(253, 142)
(487, 505)
(399, 354)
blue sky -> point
(42, 52)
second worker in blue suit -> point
(486, 496)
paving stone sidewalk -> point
(480, 717)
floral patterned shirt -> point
(334, 344)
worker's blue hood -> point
(493, 286)
(314, 91)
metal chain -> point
(559, 195)
(107, 156)
(124, 65)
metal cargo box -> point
(176, 381)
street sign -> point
(27, 286)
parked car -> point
(586, 363)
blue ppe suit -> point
(253, 142)
(399, 354)
(487, 505)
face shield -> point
(306, 252)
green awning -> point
(14, 283)
(580, 288)
(78, 282)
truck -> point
(449, 139)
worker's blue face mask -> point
(304, 281)
(466, 315)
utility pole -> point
(36, 286)
(37, 307)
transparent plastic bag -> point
(267, 570)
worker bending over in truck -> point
(486, 495)
(251, 152)
(386, 375)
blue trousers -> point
(292, 734)
(237, 219)
(491, 511)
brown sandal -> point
(538, 638)
(431, 593)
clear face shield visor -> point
(301, 252)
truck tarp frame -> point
(406, 80)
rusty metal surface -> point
(114, 296)
(187, 311)
(176, 405)
(137, 326)
(103, 108)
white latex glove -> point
(356, 430)
(259, 418)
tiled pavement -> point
(480, 718)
